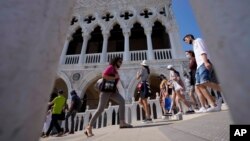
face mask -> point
(188, 56)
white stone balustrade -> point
(162, 54)
(72, 59)
(159, 54)
(133, 113)
(92, 58)
(138, 55)
(114, 54)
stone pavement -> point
(194, 127)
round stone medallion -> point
(76, 76)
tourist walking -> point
(58, 105)
(191, 76)
(143, 76)
(108, 90)
(178, 91)
(204, 74)
(75, 106)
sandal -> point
(88, 133)
(45, 136)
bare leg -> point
(206, 94)
(213, 85)
(177, 101)
(193, 99)
(173, 101)
(200, 96)
(145, 107)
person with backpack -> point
(73, 109)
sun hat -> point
(170, 67)
(144, 63)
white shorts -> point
(177, 86)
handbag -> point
(108, 85)
(139, 85)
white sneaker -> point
(219, 103)
(201, 110)
(179, 113)
(212, 109)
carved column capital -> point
(69, 38)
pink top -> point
(110, 71)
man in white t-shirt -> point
(204, 74)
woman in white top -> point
(178, 91)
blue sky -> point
(185, 20)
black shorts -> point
(170, 91)
(145, 91)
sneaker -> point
(212, 109)
(189, 112)
(163, 117)
(180, 112)
(144, 121)
(168, 114)
(147, 120)
(201, 110)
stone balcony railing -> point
(159, 54)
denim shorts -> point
(204, 75)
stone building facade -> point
(135, 30)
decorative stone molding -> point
(116, 8)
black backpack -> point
(78, 103)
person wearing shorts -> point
(204, 74)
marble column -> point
(104, 47)
(86, 38)
(33, 36)
(126, 46)
(150, 53)
(65, 49)
(227, 36)
(172, 43)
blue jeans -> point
(71, 114)
(203, 75)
